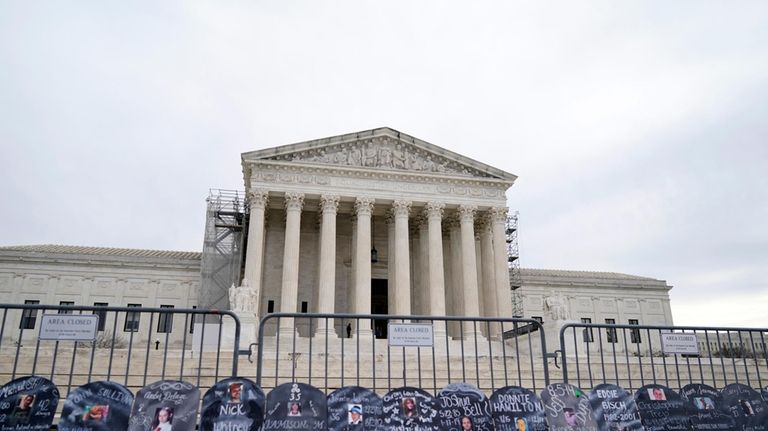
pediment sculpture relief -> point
(382, 153)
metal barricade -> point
(632, 356)
(133, 346)
(334, 350)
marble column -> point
(503, 294)
(402, 209)
(363, 210)
(488, 286)
(469, 265)
(290, 288)
(254, 258)
(391, 257)
(329, 205)
(423, 266)
(434, 215)
(457, 295)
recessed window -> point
(588, 338)
(68, 304)
(29, 317)
(270, 306)
(132, 319)
(635, 334)
(165, 321)
(611, 332)
(192, 321)
(304, 306)
(538, 319)
(101, 313)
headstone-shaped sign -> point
(516, 409)
(353, 408)
(233, 404)
(614, 408)
(567, 408)
(28, 404)
(409, 408)
(463, 407)
(295, 406)
(661, 408)
(166, 405)
(97, 406)
(765, 394)
(706, 408)
(746, 406)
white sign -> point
(685, 344)
(69, 327)
(410, 334)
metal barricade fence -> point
(632, 356)
(133, 346)
(329, 351)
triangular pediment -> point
(382, 149)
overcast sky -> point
(638, 129)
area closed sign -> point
(410, 334)
(685, 344)
(69, 327)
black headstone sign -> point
(706, 408)
(463, 407)
(97, 406)
(765, 394)
(28, 404)
(295, 406)
(353, 408)
(517, 409)
(614, 409)
(409, 409)
(661, 408)
(166, 405)
(746, 406)
(567, 408)
(234, 404)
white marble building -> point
(317, 210)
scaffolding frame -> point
(223, 247)
(513, 263)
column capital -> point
(329, 203)
(389, 217)
(294, 201)
(467, 213)
(258, 198)
(364, 205)
(498, 214)
(484, 222)
(434, 210)
(452, 221)
(401, 208)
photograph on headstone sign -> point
(409, 408)
(746, 406)
(567, 408)
(517, 409)
(293, 406)
(661, 408)
(97, 406)
(463, 407)
(28, 404)
(614, 408)
(354, 408)
(707, 411)
(233, 404)
(165, 405)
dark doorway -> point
(379, 304)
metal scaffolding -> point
(513, 262)
(223, 248)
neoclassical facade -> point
(376, 222)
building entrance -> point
(379, 304)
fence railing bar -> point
(149, 343)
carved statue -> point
(369, 155)
(558, 306)
(242, 298)
(399, 157)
